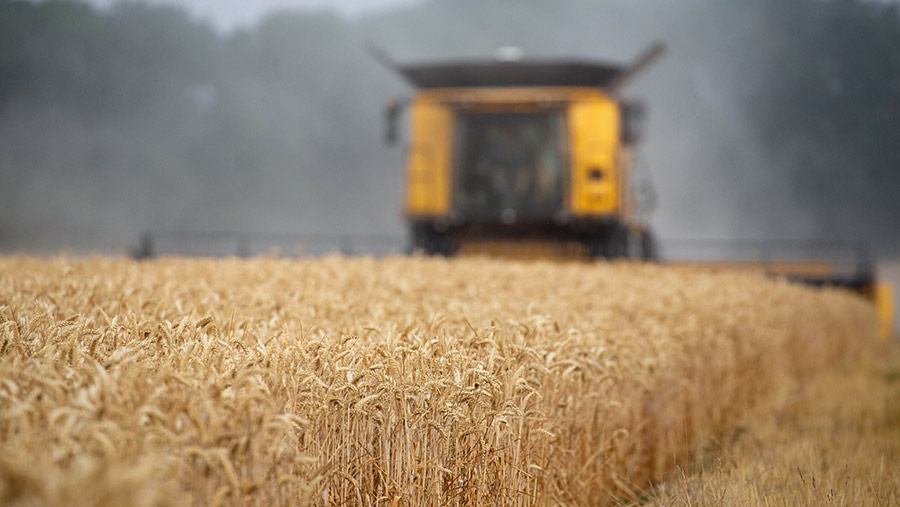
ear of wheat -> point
(395, 381)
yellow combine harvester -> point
(534, 158)
(523, 155)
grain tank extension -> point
(521, 155)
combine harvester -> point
(526, 158)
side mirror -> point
(391, 116)
(633, 121)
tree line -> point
(782, 116)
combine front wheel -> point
(612, 244)
(431, 242)
(649, 250)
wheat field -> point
(395, 381)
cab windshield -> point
(509, 165)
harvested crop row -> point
(402, 381)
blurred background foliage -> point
(769, 118)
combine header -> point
(534, 158)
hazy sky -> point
(229, 14)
